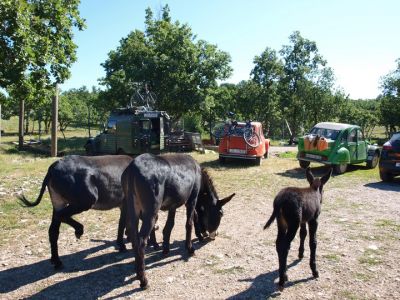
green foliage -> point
(390, 101)
(166, 57)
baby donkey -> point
(293, 207)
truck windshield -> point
(326, 133)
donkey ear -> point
(326, 177)
(309, 175)
(226, 200)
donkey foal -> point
(293, 207)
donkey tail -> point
(25, 202)
(271, 219)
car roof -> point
(334, 126)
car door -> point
(352, 145)
(361, 146)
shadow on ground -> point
(263, 286)
(108, 272)
(394, 185)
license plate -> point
(398, 164)
(237, 151)
(313, 156)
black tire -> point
(89, 147)
(386, 176)
(304, 164)
(340, 169)
(371, 164)
(258, 161)
(221, 160)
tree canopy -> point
(167, 57)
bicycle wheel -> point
(251, 138)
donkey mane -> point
(207, 182)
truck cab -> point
(131, 131)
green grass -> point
(370, 257)
(388, 224)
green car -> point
(338, 145)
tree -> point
(166, 57)
(390, 100)
(266, 75)
(304, 73)
(36, 47)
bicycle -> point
(250, 136)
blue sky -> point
(359, 38)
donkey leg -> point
(121, 227)
(153, 239)
(167, 230)
(54, 232)
(303, 234)
(145, 231)
(283, 247)
(197, 227)
(65, 215)
(189, 226)
(313, 225)
(280, 249)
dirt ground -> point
(358, 249)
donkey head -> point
(209, 207)
(317, 183)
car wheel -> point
(221, 160)
(258, 161)
(304, 164)
(341, 168)
(385, 176)
(372, 163)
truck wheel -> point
(258, 161)
(89, 149)
(385, 176)
(340, 169)
(372, 163)
(304, 164)
(221, 160)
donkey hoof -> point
(301, 255)
(315, 274)
(285, 278)
(165, 251)
(280, 287)
(58, 265)
(191, 251)
(156, 246)
(121, 248)
(144, 285)
(79, 232)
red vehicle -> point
(243, 140)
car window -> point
(327, 133)
(111, 126)
(352, 136)
(343, 139)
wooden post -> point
(21, 124)
(54, 123)
(0, 124)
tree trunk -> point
(54, 123)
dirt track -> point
(358, 247)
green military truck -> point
(131, 131)
(338, 145)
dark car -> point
(389, 164)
